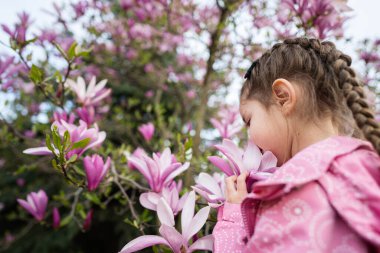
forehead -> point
(249, 106)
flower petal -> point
(173, 237)
(196, 223)
(143, 242)
(209, 183)
(222, 164)
(37, 151)
(252, 157)
(269, 160)
(165, 213)
(204, 243)
(188, 212)
(145, 202)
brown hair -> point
(329, 83)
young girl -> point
(302, 101)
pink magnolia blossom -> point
(36, 204)
(141, 31)
(229, 122)
(88, 220)
(95, 169)
(91, 95)
(126, 4)
(159, 171)
(87, 114)
(56, 218)
(47, 35)
(259, 166)
(139, 152)
(149, 93)
(212, 188)
(149, 68)
(19, 31)
(369, 57)
(170, 193)
(80, 8)
(176, 241)
(191, 94)
(69, 118)
(77, 133)
(147, 131)
(20, 182)
(327, 16)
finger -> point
(230, 184)
(241, 184)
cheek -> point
(268, 136)
(261, 135)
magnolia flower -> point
(170, 193)
(87, 114)
(77, 133)
(211, 188)
(56, 218)
(159, 171)
(36, 204)
(19, 31)
(147, 131)
(259, 166)
(139, 152)
(228, 123)
(90, 96)
(95, 170)
(177, 242)
(69, 118)
(88, 220)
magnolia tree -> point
(115, 127)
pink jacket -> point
(324, 199)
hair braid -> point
(351, 87)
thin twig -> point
(76, 198)
(137, 185)
(130, 204)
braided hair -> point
(328, 81)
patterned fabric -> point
(324, 199)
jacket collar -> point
(306, 166)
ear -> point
(284, 93)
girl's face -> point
(267, 128)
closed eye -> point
(247, 122)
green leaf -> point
(29, 57)
(13, 44)
(71, 52)
(48, 143)
(189, 144)
(54, 163)
(66, 220)
(81, 144)
(58, 76)
(93, 198)
(60, 49)
(30, 41)
(57, 139)
(66, 140)
(73, 158)
(36, 74)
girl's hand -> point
(236, 188)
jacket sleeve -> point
(229, 232)
(353, 189)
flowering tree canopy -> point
(116, 124)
